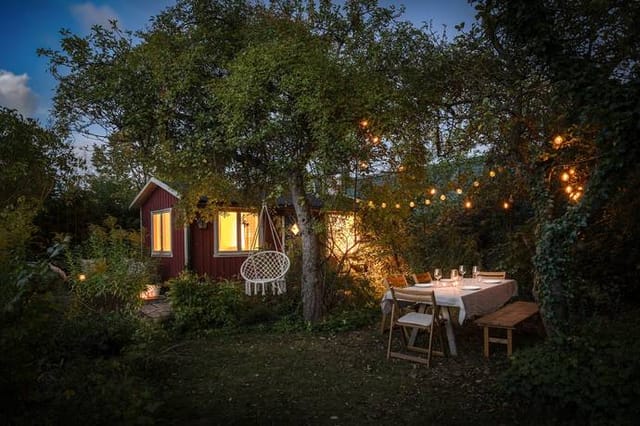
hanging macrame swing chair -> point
(265, 268)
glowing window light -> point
(412, 204)
(443, 197)
(459, 191)
(492, 173)
(383, 205)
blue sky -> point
(26, 25)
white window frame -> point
(162, 253)
(242, 250)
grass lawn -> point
(262, 377)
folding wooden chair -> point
(394, 280)
(422, 277)
(427, 319)
(498, 275)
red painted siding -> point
(204, 262)
(170, 266)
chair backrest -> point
(396, 280)
(413, 295)
(492, 274)
(265, 265)
(422, 277)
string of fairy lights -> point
(573, 187)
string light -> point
(433, 191)
(492, 173)
(467, 204)
(476, 183)
(364, 123)
(383, 205)
(443, 197)
(82, 277)
(375, 140)
(565, 177)
(506, 205)
(412, 204)
(397, 205)
(558, 141)
(459, 190)
(568, 189)
(427, 202)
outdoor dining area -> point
(437, 307)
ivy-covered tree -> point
(580, 150)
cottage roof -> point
(148, 189)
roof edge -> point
(148, 188)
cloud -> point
(16, 94)
(88, 15)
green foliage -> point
(200, 304)
(108, 272)
(589, 377)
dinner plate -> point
(470, 287)
(424, 285)
(491, 281)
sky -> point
(26, 25)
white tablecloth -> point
(472, 303)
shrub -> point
(108, 272)
(592, 377)
(201, 304)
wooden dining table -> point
(471, 296)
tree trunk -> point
(311, 288)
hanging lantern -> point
(294, 229)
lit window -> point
(237, 232)
(161, 233)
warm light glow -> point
(237, 231)
(383, 205)
(558, 140)
(294, 229)
(576, 195)
(565, 177)
(568, 189)
(375, 139)
(343, 233)
(412, 204)
(443, 197)
(161, 232)
(459, 190)
(492, 173)
(82, 277)
(371, 204)
(397, 205)
(476, 183)
(506, 205)
(427, 202)
(401, 168)
(364, 165)
(433, 191)
(467, 204)
(572, 171)
(364, 123)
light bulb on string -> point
(459, 191)
(492, 173)
(383, 205)
(412, 204)
(397, 205)
(427, 202)
(467, 204)
(443, 197)
(433, 191)
(476, 183)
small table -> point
(489, 296)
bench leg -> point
(509, 342)
(486, 342)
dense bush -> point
(61, 365)
(201, 304)
(591, 377)
(108, 272)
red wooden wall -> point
(173, 265)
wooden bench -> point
(507, 317)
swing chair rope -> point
(263, 217)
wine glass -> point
(474, 272)
(437, 274)
(462, 271)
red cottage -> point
(215, 249)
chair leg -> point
(382, 323)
